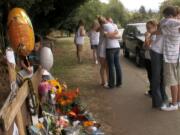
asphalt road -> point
(122, 111)
(126, 110)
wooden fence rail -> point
(16, 110)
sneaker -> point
(106, 86)
(171, 107)
(148, 93)
(164, 106)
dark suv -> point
(133, 40)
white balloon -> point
(46, 58)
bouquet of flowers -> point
(67, 100)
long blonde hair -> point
(95, 25)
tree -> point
(89, 12)
(143, 16)
(45, 14)
(169, 3)
(115, 9)
(142, 10)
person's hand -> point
(147, 35)
(29, 70)
(105, 33)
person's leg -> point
(148, 69)
(118, 68)
(149, 74)
(178, 73)
(96, 55)
(110, 61)
(162, 84)
(170, 76)
(178, 94)
(107, 71)
(79, 53)
(102, 70)
(155, 80)
(174, 94)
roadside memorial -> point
(42, 103)
(62, 112)
(20, 32)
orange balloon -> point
(20, 32)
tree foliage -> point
(143, 15)
(116, 10)
(44, 14)
(93, 8)
(168, 3)
(64, 14)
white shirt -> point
(78, 38)
(10, 56)
(102, 45)
(147, 54)
(170, 30)
(111, 43)
(157, 43)
(94, 37)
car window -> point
(131, 30)
(141, 29)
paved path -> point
(127, 111)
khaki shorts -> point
(171, 74)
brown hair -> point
(101, 20)
(170, 11)
(95, 23)
(177, 10)
(80, 23)
(152, 22)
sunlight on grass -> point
(66, 66)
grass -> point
(84, 76)
(66, 66)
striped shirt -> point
(170, 30)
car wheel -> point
(125, 52)
(138, 59)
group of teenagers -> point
(105, 46)
(162, 57)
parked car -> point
(120, 39)
(133, 40)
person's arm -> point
(171, 23)
(75, 38)
(23, 65)
(148, 40)
(112, 35)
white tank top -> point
(94, 37)
(79, 38)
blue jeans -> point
(158, 88)
(113, 60)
